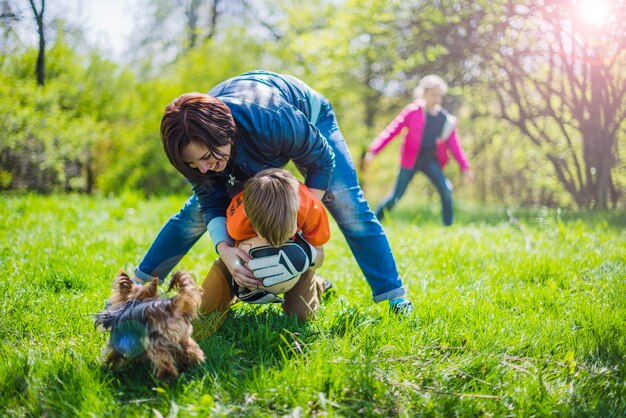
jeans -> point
(344, 201)
(433, 171)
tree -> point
(41, 66)
(9, 17)
(171, 28)
(561, 80)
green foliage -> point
(520, 319)
(94, 126)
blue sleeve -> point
(213, 200)
(294, 137)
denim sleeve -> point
(294, 137)
(213, 201)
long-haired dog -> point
(139, 321)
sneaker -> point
(329, 289)
(404, 308)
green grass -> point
(514, 319)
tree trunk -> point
(40, 70)
(192, 23)
(90, 178)
(213, 20)
(41, 65)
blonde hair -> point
(430, 81)
(271, 201)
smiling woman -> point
(197, 131)
(256, 121)
(198, 156)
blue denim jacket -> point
(275, 116)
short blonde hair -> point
(271, 200)
(430, 81)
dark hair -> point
(195, 118)
(271, 201)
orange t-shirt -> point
(312, 219)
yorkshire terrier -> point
(139, 321)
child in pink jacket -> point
(430, 137)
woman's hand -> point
(236, 260)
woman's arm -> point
(236, 260)
(213, 201)
(295, 138)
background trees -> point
(560, 79)
(538, 85)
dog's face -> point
(168, 321)
(124, 289)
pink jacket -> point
(412, 117)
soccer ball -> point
(278, 288)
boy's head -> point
(271, 201)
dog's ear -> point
(189, 295)
(122, 273)
(175, 281)
(182, 280)
(122, 288)
(123, 284)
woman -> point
(431, 134)
(249, 123)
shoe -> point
(329, 289)
(404, 308)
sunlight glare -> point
(594, 12)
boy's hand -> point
(278, 264)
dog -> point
(140, 321)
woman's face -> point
(198, 156)
(433, 98)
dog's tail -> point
(189, 295)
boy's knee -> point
(218, 293)
(303, 300)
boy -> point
(277, 208)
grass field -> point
(523, 318)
